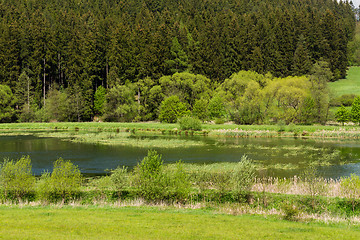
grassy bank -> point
(229, 130)
(156, 223)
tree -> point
(171, 109)
(7, 103)
(65, 178)
(301, 62)
(179, 60)
(355, 110)
(99, 100)
(16, 177)
(120, 103)
(342, 115)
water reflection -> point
(285, 157)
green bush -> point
(243, 176)
(65, 180)
(149, 176)
(171, 109)
(190, 123)
(178, 182)
(120, 178)
(350, 187)
(16, 177)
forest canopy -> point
(54, 56)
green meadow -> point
(349, 85)
(156, 223)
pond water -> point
(283, 157)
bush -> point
(149, 176)
(66, 179)
(16, 177)
(178, 182)
(350, 187)
(243, 175)
(120, 178)
(171, 109)
(190, 123)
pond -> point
(282, 157)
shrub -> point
(120, 178)
(200, 109)
(243, 175)
(291, 212)
(171, 109)
(190, 123)
(65, 179)
(178, 182)
(350, 187)
(149, 176)
(16, 177)
(216, 107)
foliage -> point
(149, 176)
(216, 107)
(120, 178)
(120, 103)
(7, 102)
(65, 179)
(16, 177)
(350, 187)
(99, 100)
(178, 182)
(171, 109)
(190, 123)
(355, 110)
(200, 109)
(243, 175)
(342, 115)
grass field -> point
(350, 85)
(156, 223)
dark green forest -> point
(140, 60)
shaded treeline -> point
(76, 46)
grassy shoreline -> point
(229, 130)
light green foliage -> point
(308, 111)
(43, 187)
(171, 109)
(320, 75)
(149, 176)
(190, 123)
(200, 109)
(120, 103)
(65, 178)
(342, 115)
(120, 178)
(57, 107)
(313, 181)
(249, 107)
(178, 182)
(187, 86)
(99, 100)
(7, 103)
(350, 187)
(284, 97)
(243, 175)
(355, 110)
(16, 177)
(216, 107)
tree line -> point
(54, 51)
